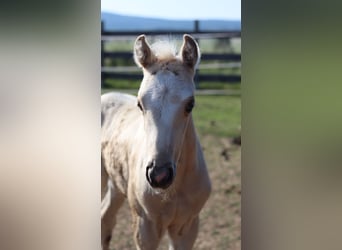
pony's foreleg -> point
(184, 237)
(110, 205)
(146, 233)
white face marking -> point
(163, 97)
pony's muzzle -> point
(160, 176)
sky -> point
(176, 9)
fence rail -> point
(209, 60)
(118, 35)
(207, 56)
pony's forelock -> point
(164, 49)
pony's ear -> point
(190, 52)
(143, 55)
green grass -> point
(219, 85)
(218, 115)
(122, 84)
(134, 84)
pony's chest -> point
(171, 210)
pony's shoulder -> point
(111, 102)
(113, 99)
(116, 97)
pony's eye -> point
(189, 106)
(139, 106)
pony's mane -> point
(164, 49)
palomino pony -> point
(150, 151)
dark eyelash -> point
(190, 105)
(139, 106)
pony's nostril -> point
(159, 177)
(150, 165)
(162, 174)
(148, 172)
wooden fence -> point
(209, 60)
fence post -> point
(102, 55)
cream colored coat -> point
(129, 141)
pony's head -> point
(166, 99)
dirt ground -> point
(220, 219)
